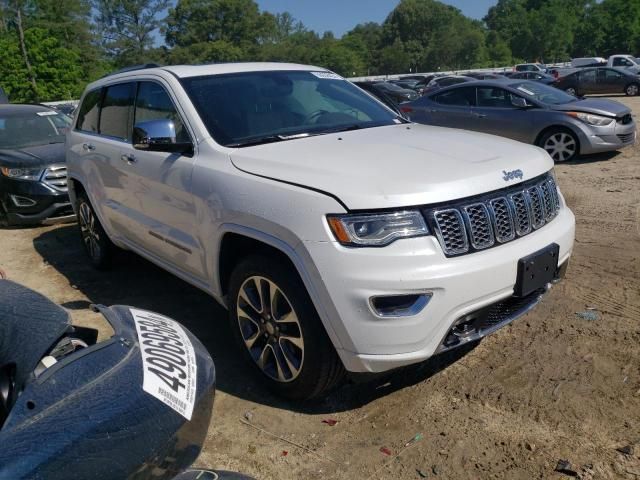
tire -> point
(561, 144)
(4, 218)
(632, 89)
(294, 358)
(571, 91)
(94, 239)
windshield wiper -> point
(271, 139)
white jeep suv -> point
(340, 236)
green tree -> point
(126, 28)
(193, 24)
(435, 36)
(57, 69)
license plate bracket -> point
(535, 271)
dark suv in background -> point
(33, 173)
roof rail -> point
(133, 68)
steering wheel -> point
(313, 116)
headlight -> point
(591, 119)
(22, 173)
(377, 229)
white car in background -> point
(340, 236)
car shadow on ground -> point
(594, 157)
(137, 282)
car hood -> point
(30, 157)
(600, 106)
(395, 166)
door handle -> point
(88, 147)
(480, 115)
(128, 158)
(433, 110)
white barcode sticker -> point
(47, 113)
(327, 75)
(168, 361)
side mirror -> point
(158, 136)
(520, 102)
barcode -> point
(172, 399)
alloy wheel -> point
(88, 230)
(632, 90)
(561, 146)
(571, 91)
(270, 329)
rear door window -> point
(588, 76)
(116, 114)
(89, 111)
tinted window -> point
(153, 103)
(621, 62)
(588, 76)
(459, 97)
(116, 114)
(242, 108)
(494, 97)
(610, 74)
(88, 113)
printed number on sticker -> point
(168, 361)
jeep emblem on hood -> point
(512, 174)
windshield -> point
(29, 129)
(543, 93)
(243, 109)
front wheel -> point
(278, 329)
(94, 239)
(632, 90)
(571, 91)
(561, 145)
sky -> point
(340, 16)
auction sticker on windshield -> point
(327, 75)
(525, 90)
(168, 361)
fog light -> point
(399, 305)
(22, 201)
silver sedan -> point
(565, 126)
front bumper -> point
(32, 203)
(458, 286)
(604, 139)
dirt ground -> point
(550, 386)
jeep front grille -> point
(496, 218)
(56, 177)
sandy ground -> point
(550, 386)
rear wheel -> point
(96, 243)
(278, 329)
(561, 145)
(571, 91)
(632, 90)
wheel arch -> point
(558, 127)
(237, 242)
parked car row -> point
(207, 171)
(254, 181)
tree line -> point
(52, 48)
